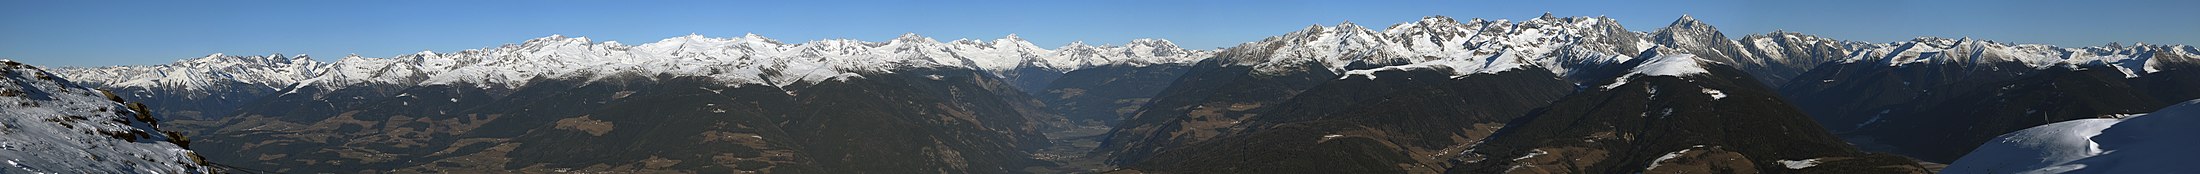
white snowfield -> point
(50, 126)
(2159, 142)
(747, 60)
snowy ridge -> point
(1477, 46)
(750, 59)
(1571, 44)
(2133, 61)
(55, 126)
(1797, 50)
(268, 71)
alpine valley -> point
(1548, 94)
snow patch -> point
(1715, 94)
(1669, 156)
(1799, 164)
(1532, 154)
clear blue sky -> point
(98, 33)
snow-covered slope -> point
(747, 60)
(53, 125)
(1666, 64)
(2159, 142)
(2035, 148)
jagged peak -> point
(1426, 23)
(1438, 19)
(754, 38)
(913, 37)
(1076, 44)
(220, 57)
(1152, 42)
(557, 39)
(1312, 28)
(1688, 22)
(968, 41)
(1348, 26)
(302, 58)
(1012, 40)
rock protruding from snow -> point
(54, 126)
(2158, 142)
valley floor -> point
(1071, 150)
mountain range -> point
(1437, 95)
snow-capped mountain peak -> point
(1686, 21)
(913, 38)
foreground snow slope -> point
(50, 125)
(2159, 142)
